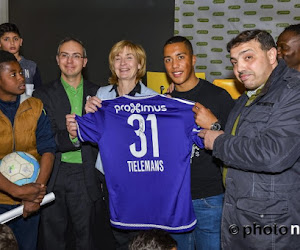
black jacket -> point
(57, 106)
(263, 158)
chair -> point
(232, 86)
(159, 82)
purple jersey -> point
(145, 145)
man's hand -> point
(71, 125)
(171, 88)
(203, 116)
(209, 137)
(31, 192)
(30, 207)
(92, 104)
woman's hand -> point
(92, 104)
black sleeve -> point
(225, 103)
(37, 80)
(61, 135)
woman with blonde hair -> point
(127, 62)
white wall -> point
(210, 25)
(3, 11)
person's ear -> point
(272, 55)
(85, 60)
(194, 59)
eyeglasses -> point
(66, 56)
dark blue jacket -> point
(263, 179)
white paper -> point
(9, 215)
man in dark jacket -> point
(71, 222)
(260, 146)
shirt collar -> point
(68, 86)
(16, 102)
(136, 89)
(253, 92)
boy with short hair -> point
(24, 126)
(11, 41)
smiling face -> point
(179, 64)
(12, 81)
(251, 65)
(11, 42)
(126, 65)
(70, 60)
(288, 44)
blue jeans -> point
(207, 233)
(25, 230)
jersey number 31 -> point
(140, 132)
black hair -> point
(6, 56)
(262, 36)
(294, 27)
(180, 39)
(7, 238)
(9, 27)
(154, 239)
(68, 39)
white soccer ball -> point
(20, 168)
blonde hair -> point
(137, 51)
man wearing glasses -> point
(78, 213)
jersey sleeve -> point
(89, 127)
(196, 139)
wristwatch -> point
(215, 126)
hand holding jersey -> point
(203, 116)
(92, 104)
(209, 137)
(71, 125)
(205, 119)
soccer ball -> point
(20, 168)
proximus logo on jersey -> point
(138, 108)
